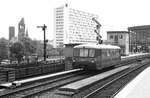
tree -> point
(61, 51)
(17, 51)
(29, 46)
(53, 52)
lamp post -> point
(44, 28)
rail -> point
(45, 85)
(112, 81)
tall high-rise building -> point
(21, 29)
(11, 32)
(73, 26)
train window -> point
(117, 53)
(104, 53)
(83, 52)
(91, 53)
(108, 52)
(114, 53)
(111, 51)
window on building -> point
(111, 36)
(121, 36)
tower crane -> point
(97, 31)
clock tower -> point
(21, 29)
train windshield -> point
(91, 52)
(84, 52)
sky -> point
(113, 15)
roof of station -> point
(139, 27)
(117, 32)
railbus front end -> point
(95, 57)
(84, 58)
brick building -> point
(119, 38)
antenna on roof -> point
(97, 31)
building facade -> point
(119, 38)
(4, 48)
(11, 32)
(139, 38)
(73, 26)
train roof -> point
(97, 46)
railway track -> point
(44, 85)
(107, 87)
(115, 84)
(101, 89)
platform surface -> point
(46, 76)
(138, 87)
(76, 86)
(38, 78)
(132, 55)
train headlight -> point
(92, 61)
(73, 60)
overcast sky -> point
(113, 14)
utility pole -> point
(45, 41)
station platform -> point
(138, 87)
(29, 80)
(79, 85)
(132, 55)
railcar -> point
(95, 56)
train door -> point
(98, 57)
(116, 39)
(104, 58)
